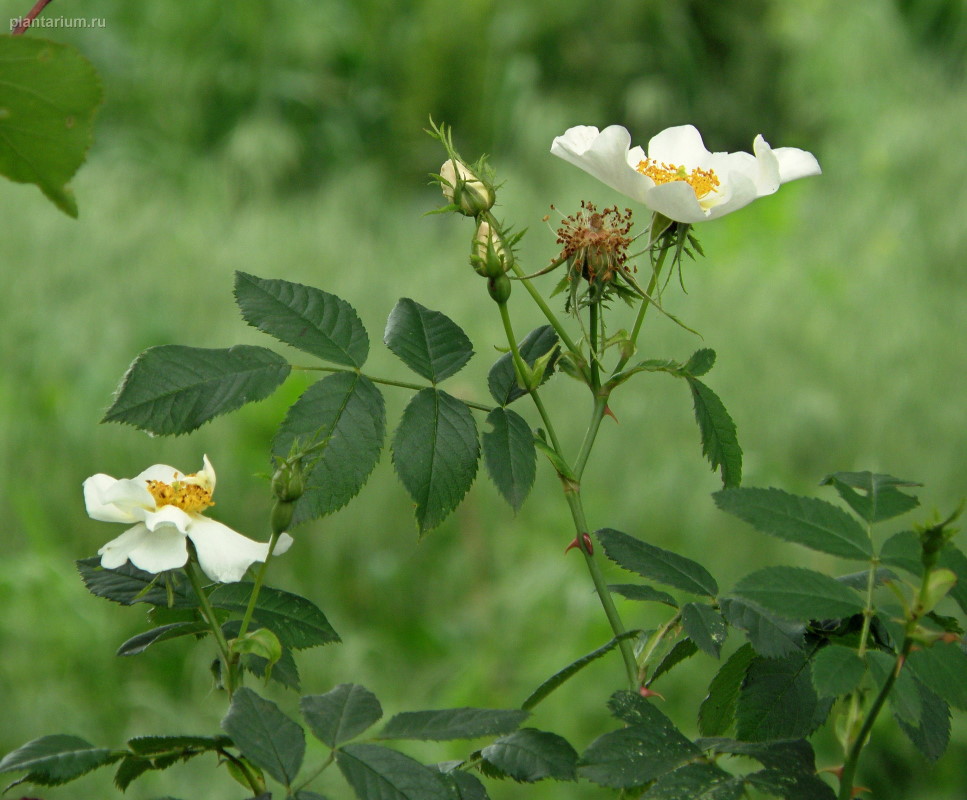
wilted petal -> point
(153, 551)
(223, 554)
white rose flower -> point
(678, 177)
(165, 506)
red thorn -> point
(610, 413)
(588, 544)
(645, 692)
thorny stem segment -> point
(24, 23)
(601, 587)
(191, 570)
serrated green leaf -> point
(648, 748)
(510, 455)
(799, 594)
(502, 378)
(310, 319)
(903, 550)
(452, 723)
(464, 786)
(704, 626)
(771, 636)
(128, 585)
(659, 565)
(50, 96)
(131, 768)
(345, 411)
(530, 755)
(878, 497)
(717, 712)
(297, 622)
(904, 694)
(696, 782)
(804, 520)
(172, 389)
(638, 591)
(791, 786)
(378, 773)
(953, 559)
(777, 700)
(942, 668)
(720, 444)
(435, 453)
(932, 735)
(789, 755)
(141, 642)
(572, 669)
(700, 362)
(837, 671)
(160, 745)
(428, 342)
(265, 735)
(681, 650)
(341, 713)
(52, 760)
(284, 671)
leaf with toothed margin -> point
(428, 342)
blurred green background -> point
(285, 138)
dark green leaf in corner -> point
(697, 781)
(310, 319)
(791, 785)
(807, 521)
(502, 378)
(378, 773)
(435, 453)
(265, 735)
(875, 497)
(346, 412)
(932, 735)
(428, 342)
(50, 96)
(530, 755)
(510, 455)
(659, 565)
(52, 760)
(172, 389)
(341, 714)
(720, 443)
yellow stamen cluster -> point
(703, 181)
(186, 495)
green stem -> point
(384, 381)
(315, 773)
(594, 322)
(191, 570)
(642, 310)
(869, 608)
(522, 370)
(257, 587)
(597, 414)
(574, 502)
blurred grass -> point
(233, 141)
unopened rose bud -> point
(499, 288)
(288, 483)
(488, 255)
(469, 193)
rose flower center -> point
(186, 495)
(703, 181)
